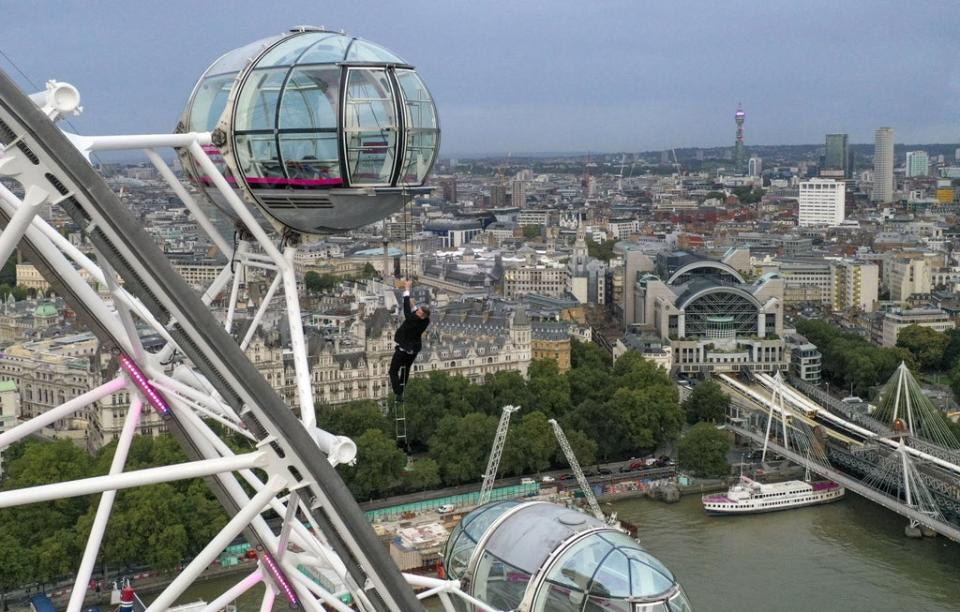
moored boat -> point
(749, 496)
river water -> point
(848, 556)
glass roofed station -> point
(540, 557)
(713, 318)
(321, 130)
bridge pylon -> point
(905, 408)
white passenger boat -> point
(749, 496)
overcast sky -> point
(548, 75)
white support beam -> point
(217, 545)
(202, 220)
(141, 141)
(234, 592)
(264, 304)
(238, 273)
(65, 271)
(20, 221)
(149, 476)
(305, 584)
(233, 200)
(104, 507)
(269, 596)
(62, 411)
(299, 345)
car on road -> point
(565, 477)
(605, 471)
(445, 508)
(547, 478)
(527, 481)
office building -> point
(934, 318)
(836, 161)
(883, 166)
(821, 203)
(855, 285)
(547, 279)
(519, 194)
(498, 196)
(918, 163)
(805, 359)
(449, 187)
(806, 281)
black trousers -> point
(400, 370)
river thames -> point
(847, 556)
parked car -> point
(547, 478)
(445, 508)
(527, 481)
(605, 471)
(565, 477)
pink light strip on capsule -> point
(280, 579)
(136, 374)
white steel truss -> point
(199, 377)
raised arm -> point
(407, 298)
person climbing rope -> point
(407, 339)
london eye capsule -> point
(322, 131)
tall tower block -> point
(883, 166)
(739, 155)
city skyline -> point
(625, 78)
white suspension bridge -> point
(902, 457)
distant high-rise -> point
(821, 203)
(739, 154)
(883, 166)
(519, 194)
(498, 196)
(837, 156)
(449, 186)
(918, 163)
(755, 166)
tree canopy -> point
(601, 250)
(707, 402)
(703, 451)
(160, 524)
(926, 345)
(850, 361)
(318, 283)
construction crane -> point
(575, 466)
(494, 461)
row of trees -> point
(850, 361)
(608, 412)
(159, 525)
(318, 283)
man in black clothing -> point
(407, 339)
